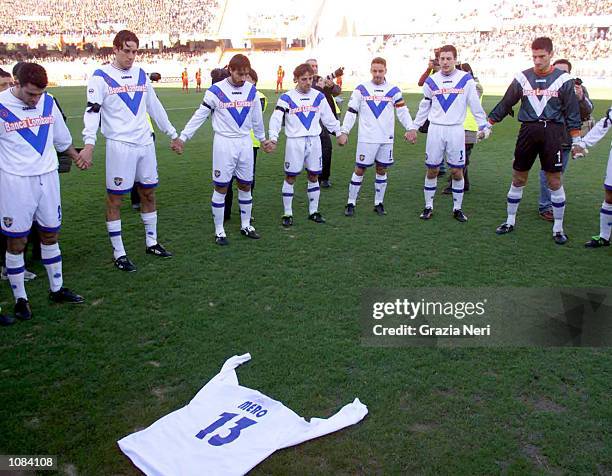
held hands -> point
(484, 133)
(268, 145)
(342, 139)
(411, 136)
(177, 145)
(579, 150)
(84, 159)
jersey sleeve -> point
(199, 117)
(504, 107)
(599, 130)
(257, 120)
(62, 139)
(473, 101)
(424, 107)
(276, 120)
(329, 119)
(350, 414)
(95, 99)
(403, 114)
(571, 109)
(352, 111)
(158, 113)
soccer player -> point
(605, 214)
(198, 77)
(446, 97)
(235, 110)
(374, 103)
(185, 79)
(303, 108)
(280, 75)
(121, 95)
(5, 80)
(32, 128)
(548, 106)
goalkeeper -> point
(579, 149)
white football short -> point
(446, 141)
(129, 164)
(303, 152)
(232, 156)
(608, 180)
(368, 153)
(27, 199)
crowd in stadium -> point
(76, 17)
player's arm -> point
(259, 129)
(328, 119)
(599, 130)
(424, 107)
(586, 106)
(276, 119)
(570, 109)
(199, 117)
(158, 113)
(352, 112)
(403, 114)
(473, 102)
(504, 107)
(91, 118)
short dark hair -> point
(218, 74)
(16, 68)
(467, 68)
(123, 37)
(239, 62)
(542, 43)
(565, 62)
(379, 60)
(4, 74)
(449, 49)
(32, 73)
(253, 75)
(301, 70)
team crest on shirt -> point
(217, 173)
(362, 157)
(8, 221)
(287, 164)
(4, 114)
(118, 181)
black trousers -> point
(326, 150)
(229, 196)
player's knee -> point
(554, 182)
(432, 173)
(290, 179)
(457, 174)
(113, 201)
(608, 197)
(245, 187)
(48, 238)
(147, 195)
(359, 171)
(313, 178)
(16, 245)
(221, 190)
(380, 170)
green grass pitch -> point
(76, 379)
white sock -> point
(15, 268)
(380, 187)
(245, 201)
(314, 192)
(605, 220)
(287, 197)
(218, 209)
(429, 190)
(514, 199)
(557, 197)
(354, 188)
(52, 259)
(114, 233)
(150, 224)
(457, 189)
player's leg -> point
(455, 155)
(120, 173)
(223, 169)
(313, 161)
(18, 203)
(434, 156)
(364, 159)
(383, 160)
(146, 181)
(605, 214)
(525, 153)
(326, 154)
(551, 158)
(294, 162)
(244, 179)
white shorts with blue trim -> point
(368, 153)
(129, 164)
(446, 141)
(232, 156)
(303, 152)
(27, 199)
(608, 180)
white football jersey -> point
(29, 136)
(599, 130)
(445, 100)
(235, 111)
(374, 104)
(122, 99)
(302, 112)
(226, 430)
